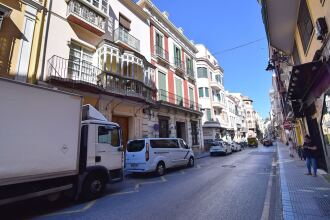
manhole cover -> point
(229, 166)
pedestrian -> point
(310, 150)
(290, 144)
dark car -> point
(267, 142)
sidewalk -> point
(201, 154)
(303, 197)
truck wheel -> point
(191, 162)
(160, 169)
(94, 186)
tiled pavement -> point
(303, 197)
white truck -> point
(50, 144)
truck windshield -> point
(135, 146)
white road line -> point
(265, 211)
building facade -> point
(101, 50)
(21, 29)
(177, 111)
(299, 56)
(211, 94)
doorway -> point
(163, 127)
(123, 123)
(181, 130)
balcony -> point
(83, 76)
(178, 101)
(122, 37)
(216, 85)
(85, 17)
(179, 66)
(217, 104)
(191, 73)
(161, 55)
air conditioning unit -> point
(321, 28)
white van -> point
(157, 154)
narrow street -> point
(231, 187)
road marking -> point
(265, 210)
(85, 208)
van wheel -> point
(160, 169)
(93, 187)
(191, 162)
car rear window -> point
(216, 144)
(135, 146)
(164, 143)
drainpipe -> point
(42, 76)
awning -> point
(303, 79)
(280, 19)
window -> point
(191, 97)
(108, 135)
(202, 72)
(124, 22)
(207, 92)
(189, 64)
(162, 86)
(159, 45)
(200, 92)
(295, 54)
(135, 146)
(305, 25)
(164, 143)
(208, 114)
(177, 56)
(183, 144)
(105, 6)
(80, 63)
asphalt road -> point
(231, 187)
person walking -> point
(291, 147)
(310, 150)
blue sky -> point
(221, 25)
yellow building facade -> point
(21, 32)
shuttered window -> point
(162, 86)
(200, 92)
(208, 114)
(124, 22)
(207, 92)
(305, 24)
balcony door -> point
(162, 93)
(177, 56)
(80, 64)
(191, 97)
(179, 95)
(159, 45)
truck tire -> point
(94, 186)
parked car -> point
(157, 154)
(237, 146)
(228, 147)
(218, 148)
(267, 142)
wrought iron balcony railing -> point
(122, 36)
(86, 13)
(83, 72)
(172, 98)
(191, 73)
(160, 52)
(179, 64)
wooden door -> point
(123, 122)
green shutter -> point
(162, 86)
(200, 92)
(191, 97)
(178, 85)
(207, 92)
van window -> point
(164, 143)
(183, 144)
(135, 146)
(108, 135)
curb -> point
(202, 156)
